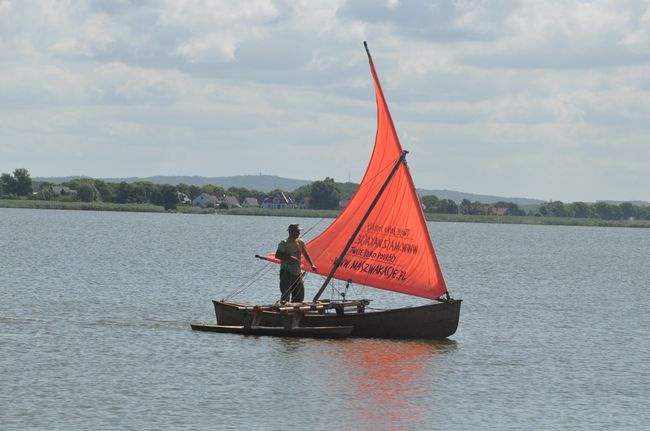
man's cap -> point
(294, 227)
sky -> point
(539, 99)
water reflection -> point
(390, 383)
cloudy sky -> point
(547, 100)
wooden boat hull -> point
(436, 320)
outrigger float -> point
(380, 240)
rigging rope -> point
(249, 282)
(266, 268)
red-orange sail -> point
(392, 250)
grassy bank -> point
(261, 212)
(561, 221)
(454, 218)
(87, 206)
(282, 212)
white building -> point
(278, 201)
(206, 199)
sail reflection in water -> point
(388, 383)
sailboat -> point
(380, 240)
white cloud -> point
(538, 99)
(554, 34)
(93, 34)
(215, 28)
(207, 49)
(638, 38)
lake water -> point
(95, 312)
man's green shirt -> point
(292, 248)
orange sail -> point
(392, 249)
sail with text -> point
(391, 249)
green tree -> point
(348, 189)
(194, 192)
(628, 210)
(86, 191)
(105, 191)
(183, 188)
(446, 206)
(582, 210)
(429, 202)
(555, 209)
(45, 191)
(477, 208)
(20, 184)
(607, 211)
(169, 196)
(190, 191)
(299, 193)
(644, 213)
(465, 207)
(239, 192)
(325, 194)
(23, 182)
(123, 193)
(209, 188)
(6, 184)
(142, 192)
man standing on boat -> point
(289, 252)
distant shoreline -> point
(81, 206)
(434, 217)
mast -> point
(388, 200)
(338, 260)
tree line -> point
(432, 204)
(598, 210)
(325, 194)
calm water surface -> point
(95, 310)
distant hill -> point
(486, 199)
(267, 183)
